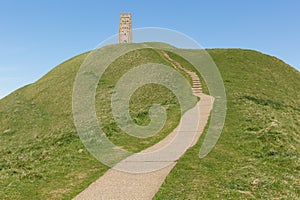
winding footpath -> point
(140, 176)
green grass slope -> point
(258, 153)
(42, 156)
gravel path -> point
(141, 175)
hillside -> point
(258, 153)
(43, 157)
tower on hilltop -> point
(125, 28)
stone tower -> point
(125, 28)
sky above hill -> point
(37, 35)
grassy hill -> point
(42, 156)
(258, 153)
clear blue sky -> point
(37, 35)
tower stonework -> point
(125, 28)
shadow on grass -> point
(268, 102)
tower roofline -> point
(125, 14)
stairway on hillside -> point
(196, 87)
